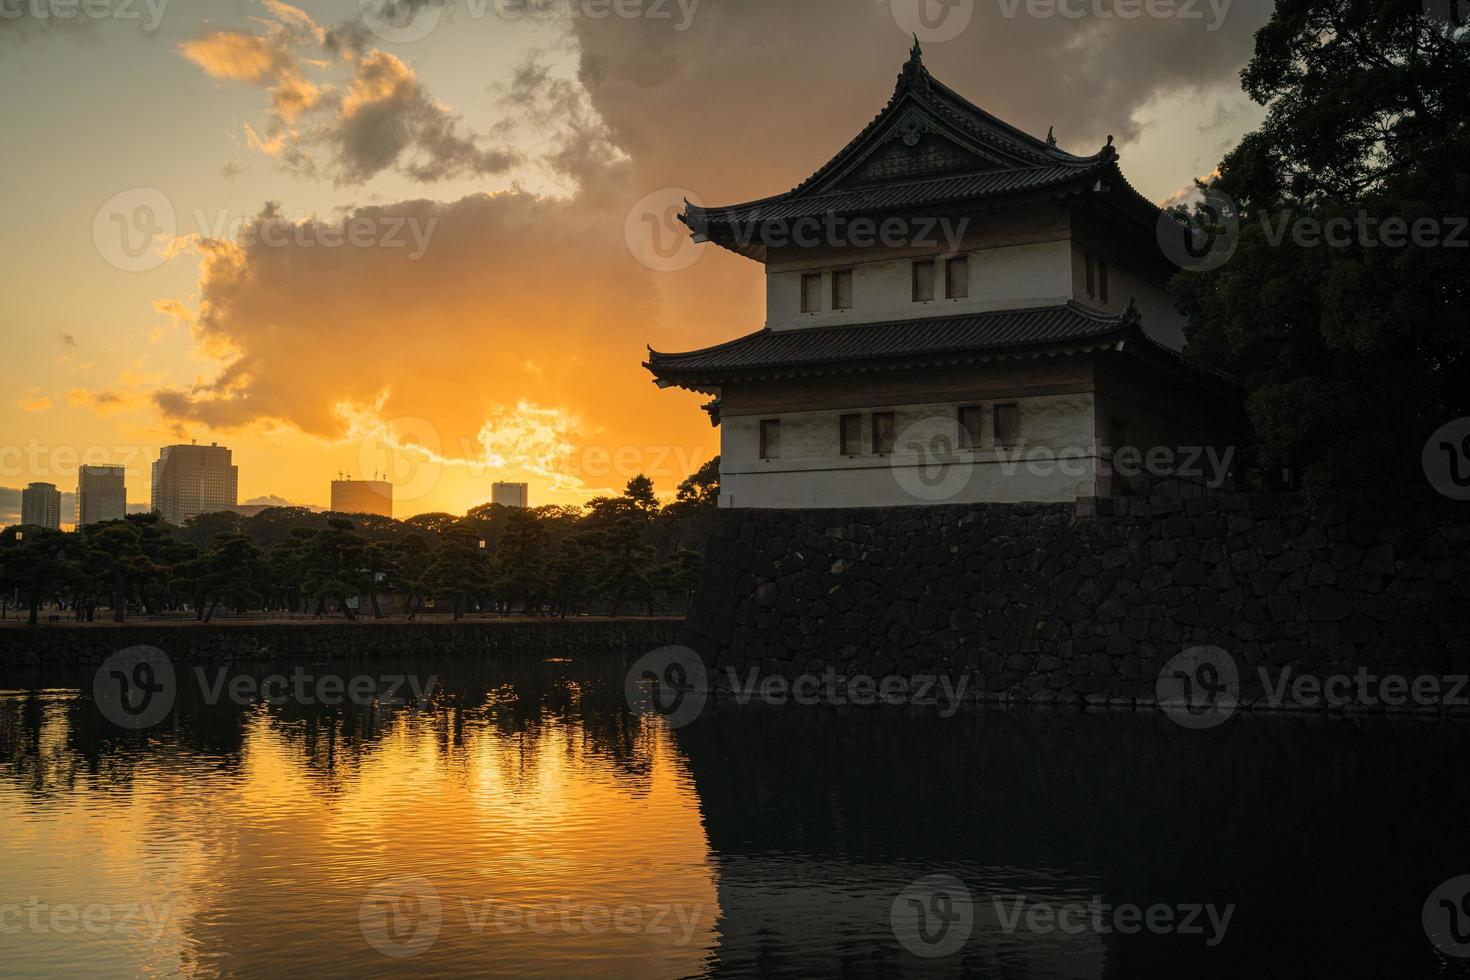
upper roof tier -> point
(929, 146)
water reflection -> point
(558, 834)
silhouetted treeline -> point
(620, 555)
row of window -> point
(839, 290)
(956, 283)
(1005, 431)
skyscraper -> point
(40, 505)
(101, 494)
(193, 480)
(362, 497)
(511, 494)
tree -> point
(114, 558)
(460, 570)
(1351, 353)
(42, 563)
(333, 564)
(231, 571)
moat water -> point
(521, 820)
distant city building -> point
(101, 494)
(511, 494)
(362, 497)
(40, 505)
(193, 480)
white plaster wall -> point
(1055, 460)
(1160, 320)
(1013, 276)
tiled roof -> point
(975, 334)
(1005, 161)
(962, 187)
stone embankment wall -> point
(1067, 603)
(222, 642)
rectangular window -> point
(1102, 280)
(923, 281)
(770, 438)
(957, 277)
(811, 292)
(1091, 276)
(1007, 425)
(972, 417)
(851, 434)
(842, 289)
(883, 433)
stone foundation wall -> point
(222, 642)
(1088, 602)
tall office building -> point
(193, 480)
(101, 494)
(362, 497)
(511, 494)
(40, 505)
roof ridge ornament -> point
(1051, 139)
(914, 73)
(1109, 151)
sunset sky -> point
(174, 196)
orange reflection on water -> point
(556, 842)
